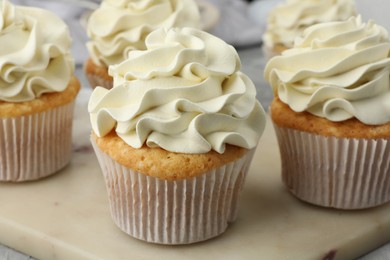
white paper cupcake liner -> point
(173, 212)
(342, 173)
(97, 81)
(37, 145)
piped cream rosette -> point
(34, 55)
(185, 94)
(337, 71)
(117, 27)
(289, 19)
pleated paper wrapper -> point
(37, 145)
(344, 173)
(173, 212)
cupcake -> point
(175, 137)
(332, 114)
(117, 27)
(288, 20)
(37, 93)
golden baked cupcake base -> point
(36, 136)
(43, 103)
(275, 51)
(283, 116)
(339, 165)
(97, 75)
(157, 162)
(173, 210)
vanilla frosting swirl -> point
(117, 27)
(337, 70)
(185, 94)
(34, 54)
(288, 20)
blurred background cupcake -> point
(332, 114)
(288, 20)
(175, 137)
(37, 93)
(117, 27)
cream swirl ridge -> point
(34, 55)
(288, 20)
(118, 27)
(337, 70)
(185, 94)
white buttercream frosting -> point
(34, 54)
(117, 27)
(288, 20)
(185, 94)
(336, 70)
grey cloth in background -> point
(242, 24)
(235, 25)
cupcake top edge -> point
(117, 27)
(35, 53)
(289, 19)
(336, 70)
(184, 93)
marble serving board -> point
(66, 216)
